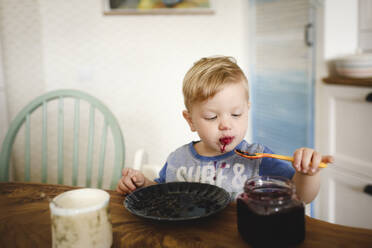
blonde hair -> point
(208, 76)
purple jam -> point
(269, 216)
(225, 141)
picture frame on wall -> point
(157, 7)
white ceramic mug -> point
(81, 218)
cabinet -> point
(365, 25)
(345, 131)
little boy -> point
(216, 96)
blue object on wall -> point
(282, 74)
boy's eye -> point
(209, 118)
(236, 115)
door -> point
(282, 74)
(346, 116)
(344, 200)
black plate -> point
(177, 201)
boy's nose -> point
(224, 124)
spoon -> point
(269, 155)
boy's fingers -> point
(315, 161)
(301, 159)
(307, 154)
(297, 159)
(129, 183)
(307, 160)
(125, 171)
(130, 180)
(134, 180)
(139, 178)
(328, 159)
(122, 187)
(118, 189)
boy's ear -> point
(187, 117)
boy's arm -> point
(131, 180)
(148, 182)
(307, 186)
(307, 176)
(162, 174)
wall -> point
(337, 36)
(134, 64)
(340, 28)
(3, 104)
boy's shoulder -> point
(181, 150)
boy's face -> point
(221, 121)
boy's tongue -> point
(225, 141)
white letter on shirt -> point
(220, 176)
(197, 174)
(239, 179)
(182, 174)
(208, 172)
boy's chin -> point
(225, 149)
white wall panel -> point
(134, 64)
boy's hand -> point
(306, 160)
(131, 179)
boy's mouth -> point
(225, 141)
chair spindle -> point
(90, 147)
(27, 148)
(75, 171)
(44, 150)
(60, 140)
(102, 154)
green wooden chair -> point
(110, 122)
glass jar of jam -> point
(269, 213)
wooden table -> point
(25, 222)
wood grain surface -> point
(363, 82)
(25, 222)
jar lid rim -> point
(260, 180)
